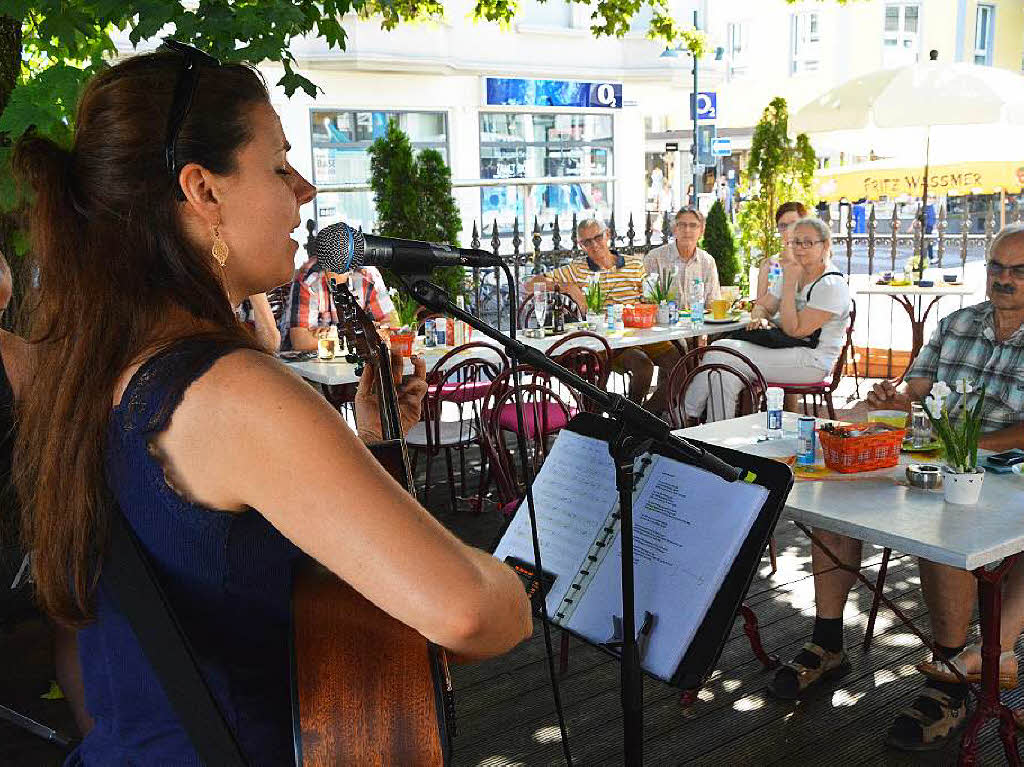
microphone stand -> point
(637, 429)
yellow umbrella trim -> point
(954, 179)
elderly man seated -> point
(984, 344)
(683, 260)
(621, 280)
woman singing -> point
(176, 201)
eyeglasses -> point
(996, 269)
(184, 92)
(688, 225)
(804, 244)
(591, 241)
(780, 228)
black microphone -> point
(340, 248)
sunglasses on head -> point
(184, 91)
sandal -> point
(939, 671)
(929, 722)
(813, 664)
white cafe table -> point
(880, 508)
(337, 371)
(912, 298)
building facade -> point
(537, 120)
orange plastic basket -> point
(850, 454)
(639, 315)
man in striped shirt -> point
(621, 280)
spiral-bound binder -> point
(690, 530)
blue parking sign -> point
(707, 105)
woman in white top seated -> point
(804, 321)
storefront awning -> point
(873, 181)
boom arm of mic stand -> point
(642, 422)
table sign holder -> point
(632, 431)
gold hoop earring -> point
(219, 251)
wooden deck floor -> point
(506, 714)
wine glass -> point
(540, 304)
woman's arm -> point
(762, 280)
(267, 334)
(793, 323)
(345, 510)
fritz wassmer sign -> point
(872, 183)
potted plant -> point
(595, 304)
(962, 477)
(407, 309)
(659, 291)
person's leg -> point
(640, 369)
(939, 710)
(794, 365)
(824, 656)
(664, 355)
(1010, 627)
(950, 595)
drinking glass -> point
(540, 304)
(920, 426)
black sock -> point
(828, 633)
(956, 690)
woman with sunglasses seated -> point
(796, 331)
(175, 201)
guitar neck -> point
(390, 414)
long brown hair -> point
(113, 264)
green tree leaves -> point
(719, 242)
(413, 197)
(779, 170)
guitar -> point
(366, 688)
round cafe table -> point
(915, 301)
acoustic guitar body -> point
(366, 688)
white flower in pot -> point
(963, 477)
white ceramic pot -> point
(963, 489)
(663, 313)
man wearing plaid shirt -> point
(310, 306)
(985, 345)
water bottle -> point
(774, 396)
(775, 278)
(697, 304)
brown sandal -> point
(932, 719)
(831, 665)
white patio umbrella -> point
(902, 101)
(922, 95)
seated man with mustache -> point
(984, 344)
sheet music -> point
(574, 493)
(688, 528)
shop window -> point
(340, 139)
(545, 148)
(901, 39)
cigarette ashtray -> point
(927, 476)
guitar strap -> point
(139, 596)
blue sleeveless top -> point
(227, 577)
